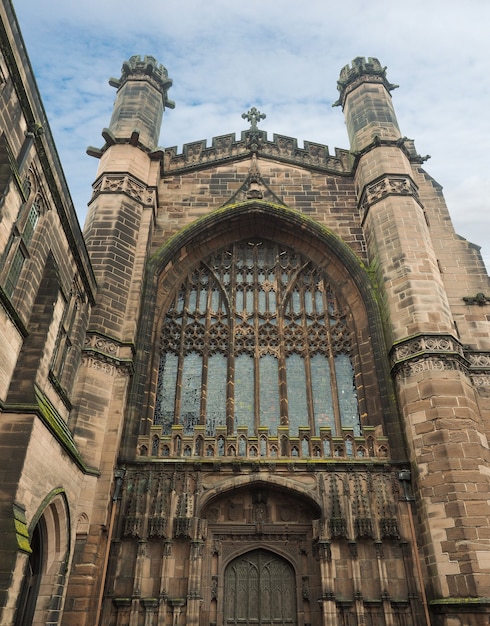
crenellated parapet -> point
(282, 148)
(147, 68)
(361, 70)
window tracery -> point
(256, 337)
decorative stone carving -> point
(479, 299)
(124, 183)
(103, 353)
(425, 344)
(427, 352)
(388, 185)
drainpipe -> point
(118, 480)
(405, 476)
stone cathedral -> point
(254, 390)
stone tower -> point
(429, 339)
(118, 233)
(256, 387)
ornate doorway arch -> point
(260, 589)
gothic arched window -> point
(255, 336)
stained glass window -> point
(255, 336)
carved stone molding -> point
(429, 363)
(124, 183)
(414, 347)
(481, 380)
(102, 344)
(439, 352)
(387, 185)
(479, 360)
(480, 370)
(229, 541)
(425, 353)
(106, 355)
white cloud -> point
(284, 57)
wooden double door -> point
(260, 590)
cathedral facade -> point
(254, 390)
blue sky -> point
(284, 57)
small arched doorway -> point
(41, 596)
(260, 589)
(32, 578)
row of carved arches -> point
(304, 447)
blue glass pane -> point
(262, 298)
(269, 393)
(221, 446)
(319, 301)
(215, 300)
(192, 300)
(242, 446)
(191, 392)
(244, 391)
(295, 300)
(216, 393)
(272, 301)
(263, 446)
(349, 411)
(308, 302)
(203, 300)
(239, 300)
(165, 401)
(297, 400)
(305, 448)
(322, 393)
(248, 304)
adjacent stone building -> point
(255, 390)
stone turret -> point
(397, 234)
(140, 102)
(368, 111)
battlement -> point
(138, 66)
(352, 75)
(281, 148)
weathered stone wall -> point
(46, 291)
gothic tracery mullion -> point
(205, 362)
(257, 351)
(306, 358)
(331, 358)
(280, 310)
(230, 370)
(182, 353)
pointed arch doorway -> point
(260, 590)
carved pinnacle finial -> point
(254, 116)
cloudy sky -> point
(283, 56)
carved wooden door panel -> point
(260, 589)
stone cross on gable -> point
(253, 116)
